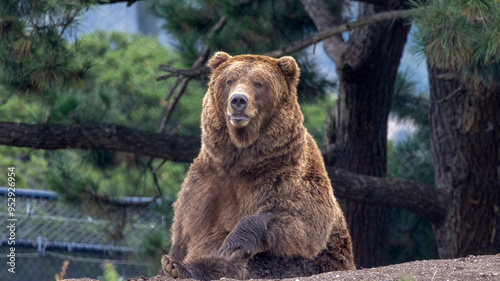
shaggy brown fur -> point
(257, 202)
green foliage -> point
(313, 86)
(128, 94)
(155, 245)
(411, 158)
(66, 176)
(405, 104)
(410, 236)
(69, 173)
(314, 116)
(34, 50)
(121, 90)
(30, 166)
(461, 36)
(110, 273)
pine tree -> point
(460, 40)
(34, 45)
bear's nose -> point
(238, 101)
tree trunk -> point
(356, 129)
(465, 134)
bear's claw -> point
(172, 268)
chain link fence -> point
(49, 231)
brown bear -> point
(257, 201)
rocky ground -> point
(470, 268)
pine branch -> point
(391, 192)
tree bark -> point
(425, 200)
(99, 136)
(390, 192)
(465, 135)
(356, 128)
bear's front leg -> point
(247, 238)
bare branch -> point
(153, 174)
(165, 77)
(327, 14)
(192, 72)
(159, 166)
(129, 2)
(300, 45)
(388, 3)
(172, 89)
(171, 106)
(198, 67)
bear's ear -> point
(217, 60)
(290, 69)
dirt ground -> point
(470, 268)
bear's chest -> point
(219, 201)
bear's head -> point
(251, 100)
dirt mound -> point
(470, 268)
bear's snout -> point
(238, 102)
(239, 109)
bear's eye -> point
(257, 85)
(229, 82)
